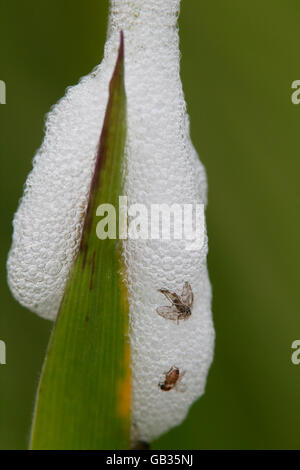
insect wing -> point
(171, 296)
(180, 387)
(187, 294)
(173, 370)
(168, 312)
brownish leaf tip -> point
(119, 67)
(116, 80)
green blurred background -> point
(238, 62)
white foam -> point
(161, 167)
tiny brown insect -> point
(181, 308)
(172, 380)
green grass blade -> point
(83, 398)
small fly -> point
(172, 380)
(181, 308)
